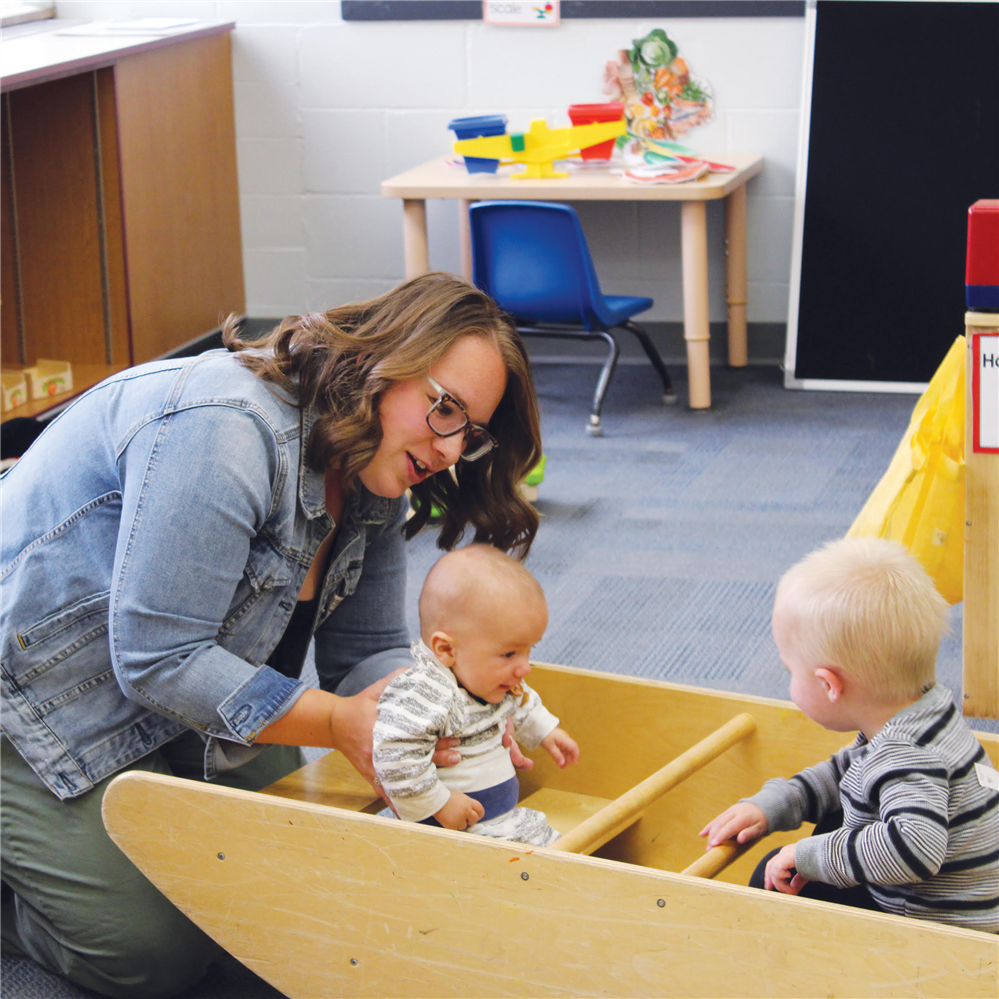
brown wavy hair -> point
(339, 363)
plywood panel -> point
(179, 192)
(10, 349)
(119, 351)
(55, 185)
(325, 902)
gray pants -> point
(73, 902)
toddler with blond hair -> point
(905, 820)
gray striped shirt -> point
(426, 702)
(919, 829)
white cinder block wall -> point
(327, 109)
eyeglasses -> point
(447, 417)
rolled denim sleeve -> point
(194, 494)
(373, 618)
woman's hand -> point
(351, 723)
(517, 758)
(319, 718)
(445, 754)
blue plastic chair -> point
(532, 258)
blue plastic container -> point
(476, 127)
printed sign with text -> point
(985, 392)
(526, 14)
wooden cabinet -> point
(120, 205)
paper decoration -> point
(662, 99)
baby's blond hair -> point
(867, 606)
(471, 581)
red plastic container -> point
(589, 114)
(982, 267)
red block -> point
(983, 243)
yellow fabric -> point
(920, 498)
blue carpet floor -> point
(661, 542)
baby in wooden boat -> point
(481, 612)
(907, 818)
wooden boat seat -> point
(332, 781)
(585, 821)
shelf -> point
(85, 376)
(119, 208)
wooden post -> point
(696, 325)
(596, 830)
(981, 552)
(414, 236)
(735, 262)
(465, 237)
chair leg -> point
(669, 393)
(593, 428)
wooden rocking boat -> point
(321, 898)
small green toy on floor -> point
(529, 487)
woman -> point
(187, 522)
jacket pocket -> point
(55, 638)
(265, 572)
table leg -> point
(735, 238)
(696, 331)
(414, 236)
(465, 237)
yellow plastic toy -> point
(539, 146)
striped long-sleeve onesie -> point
(919, 827)
(425, 703)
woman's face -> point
(472, 371)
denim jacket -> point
(154, 542)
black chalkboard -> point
(903, 138)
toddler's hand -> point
(459, 812)
(743, 821)
(562, 747)
(781, 873)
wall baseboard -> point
(766, 344)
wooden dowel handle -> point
(632, 802)
(717, 859)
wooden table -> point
(119, 209)
(437, 179)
